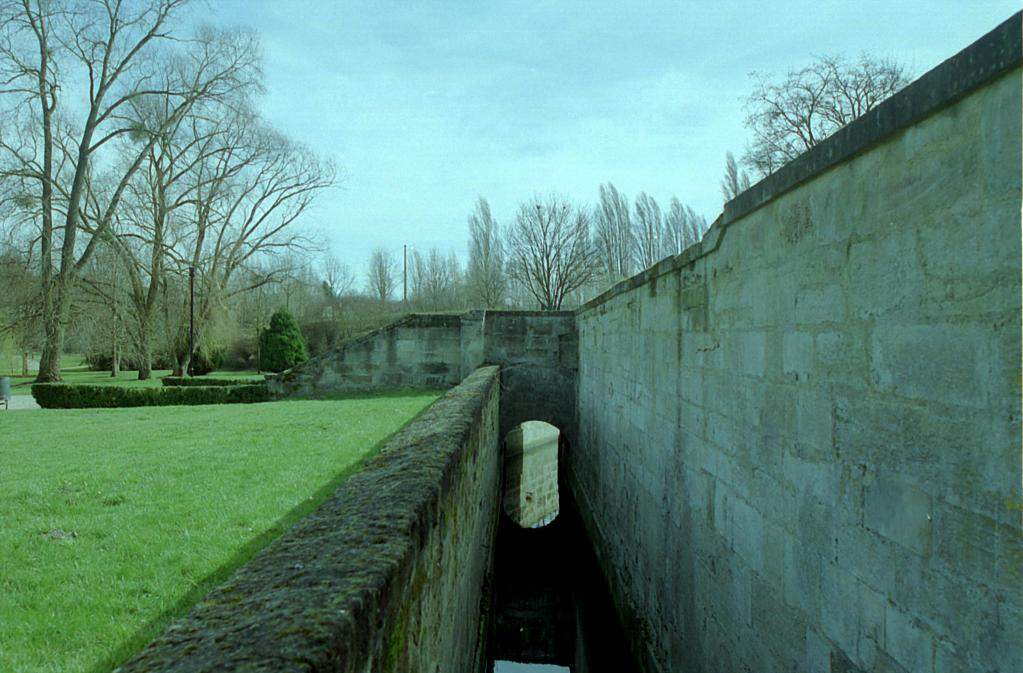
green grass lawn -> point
(114, 521)
(74, 370)
(69, 362)
(11, 365)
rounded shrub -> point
(281, 345)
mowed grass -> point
(11, 366)
(114, 521)
(20, 385)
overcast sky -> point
(428, 105)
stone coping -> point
(315, 597)
(994, 54)
(529, 314)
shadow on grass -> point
(155, 626)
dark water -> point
(550, 607)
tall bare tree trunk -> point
(179, 366)
(145, 366)
(258, 367)
(49, 360)
(145, 349)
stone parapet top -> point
(994, 54)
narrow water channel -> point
(550, 608)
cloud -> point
(428, 105)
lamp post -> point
(191, 319)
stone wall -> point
(800, 440)
(421, 350)
(796, 446)
(530, 453)
(387, 575)
(537, 351)
(538, 354)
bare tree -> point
(222, 195)
(337, 282)
(119, 51)
(160, 201)
(614, 237)
(20, 318)
(145, 231)
(736, 181)
(550, 251)
(808, 105)
(103, 314)
(248, 200)
(382, 267)
(457, 298)
(29, 76)
(649, 231)
(435, 278)
(486, 274)
(682, 227)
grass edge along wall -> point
(119, 519)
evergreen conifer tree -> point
(281, 345)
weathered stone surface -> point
(795, 446)
(531, 474)
(387, 575)
(835, 443)
(537, 350)
(421, 350)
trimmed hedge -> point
(202, 381)
(71, 396)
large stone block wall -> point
(387, 575)
(799, 442)
(537, 350)
(530, 453)
(418, 351)
(538, 354)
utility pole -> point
(259, 322)
(404, 274)
(191, 319)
